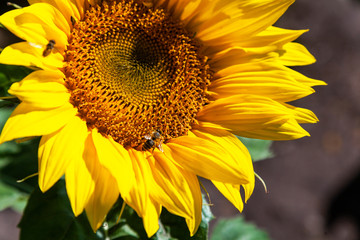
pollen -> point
(132, 69)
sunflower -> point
(139, 98)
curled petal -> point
(296, 54)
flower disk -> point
(132, 69)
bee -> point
(153, 140)
(48, 48)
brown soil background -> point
(307, 174)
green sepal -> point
(237, 229)
(259, 149)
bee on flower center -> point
(153, 140)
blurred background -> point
(314, 182)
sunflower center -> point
(131, 70)
(134, 66)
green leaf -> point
(237, 229)
(259, 149)
(49, 216)
(10, 197)
(16, 162)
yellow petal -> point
(28, 121)
(79, 181)
(116, 159)
(103, 198)
(266, 66)
(238, 55)
(231, 192)
(94, 2)
(228, 20)
(176, 8)
(68, 8)
(194, 222)
(24, 54)
(288, 130)
(49, 169)
(271, 36)
(191, 8)
(41, 89)
(47, 76)
(248, 189)
(296, 54)
(179, 190)
(244, 112)
(106, 189)
(212, 159)
(302, 115)
(233, 145)
(271, 83)
(38, 24)
(139, 197)
(256, 117)
(139, 194)
(58, 149)
(151, 218)
(262, 44)
(303, 79)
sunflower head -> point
(132, 69)
(140, 98)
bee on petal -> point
(47, 49)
